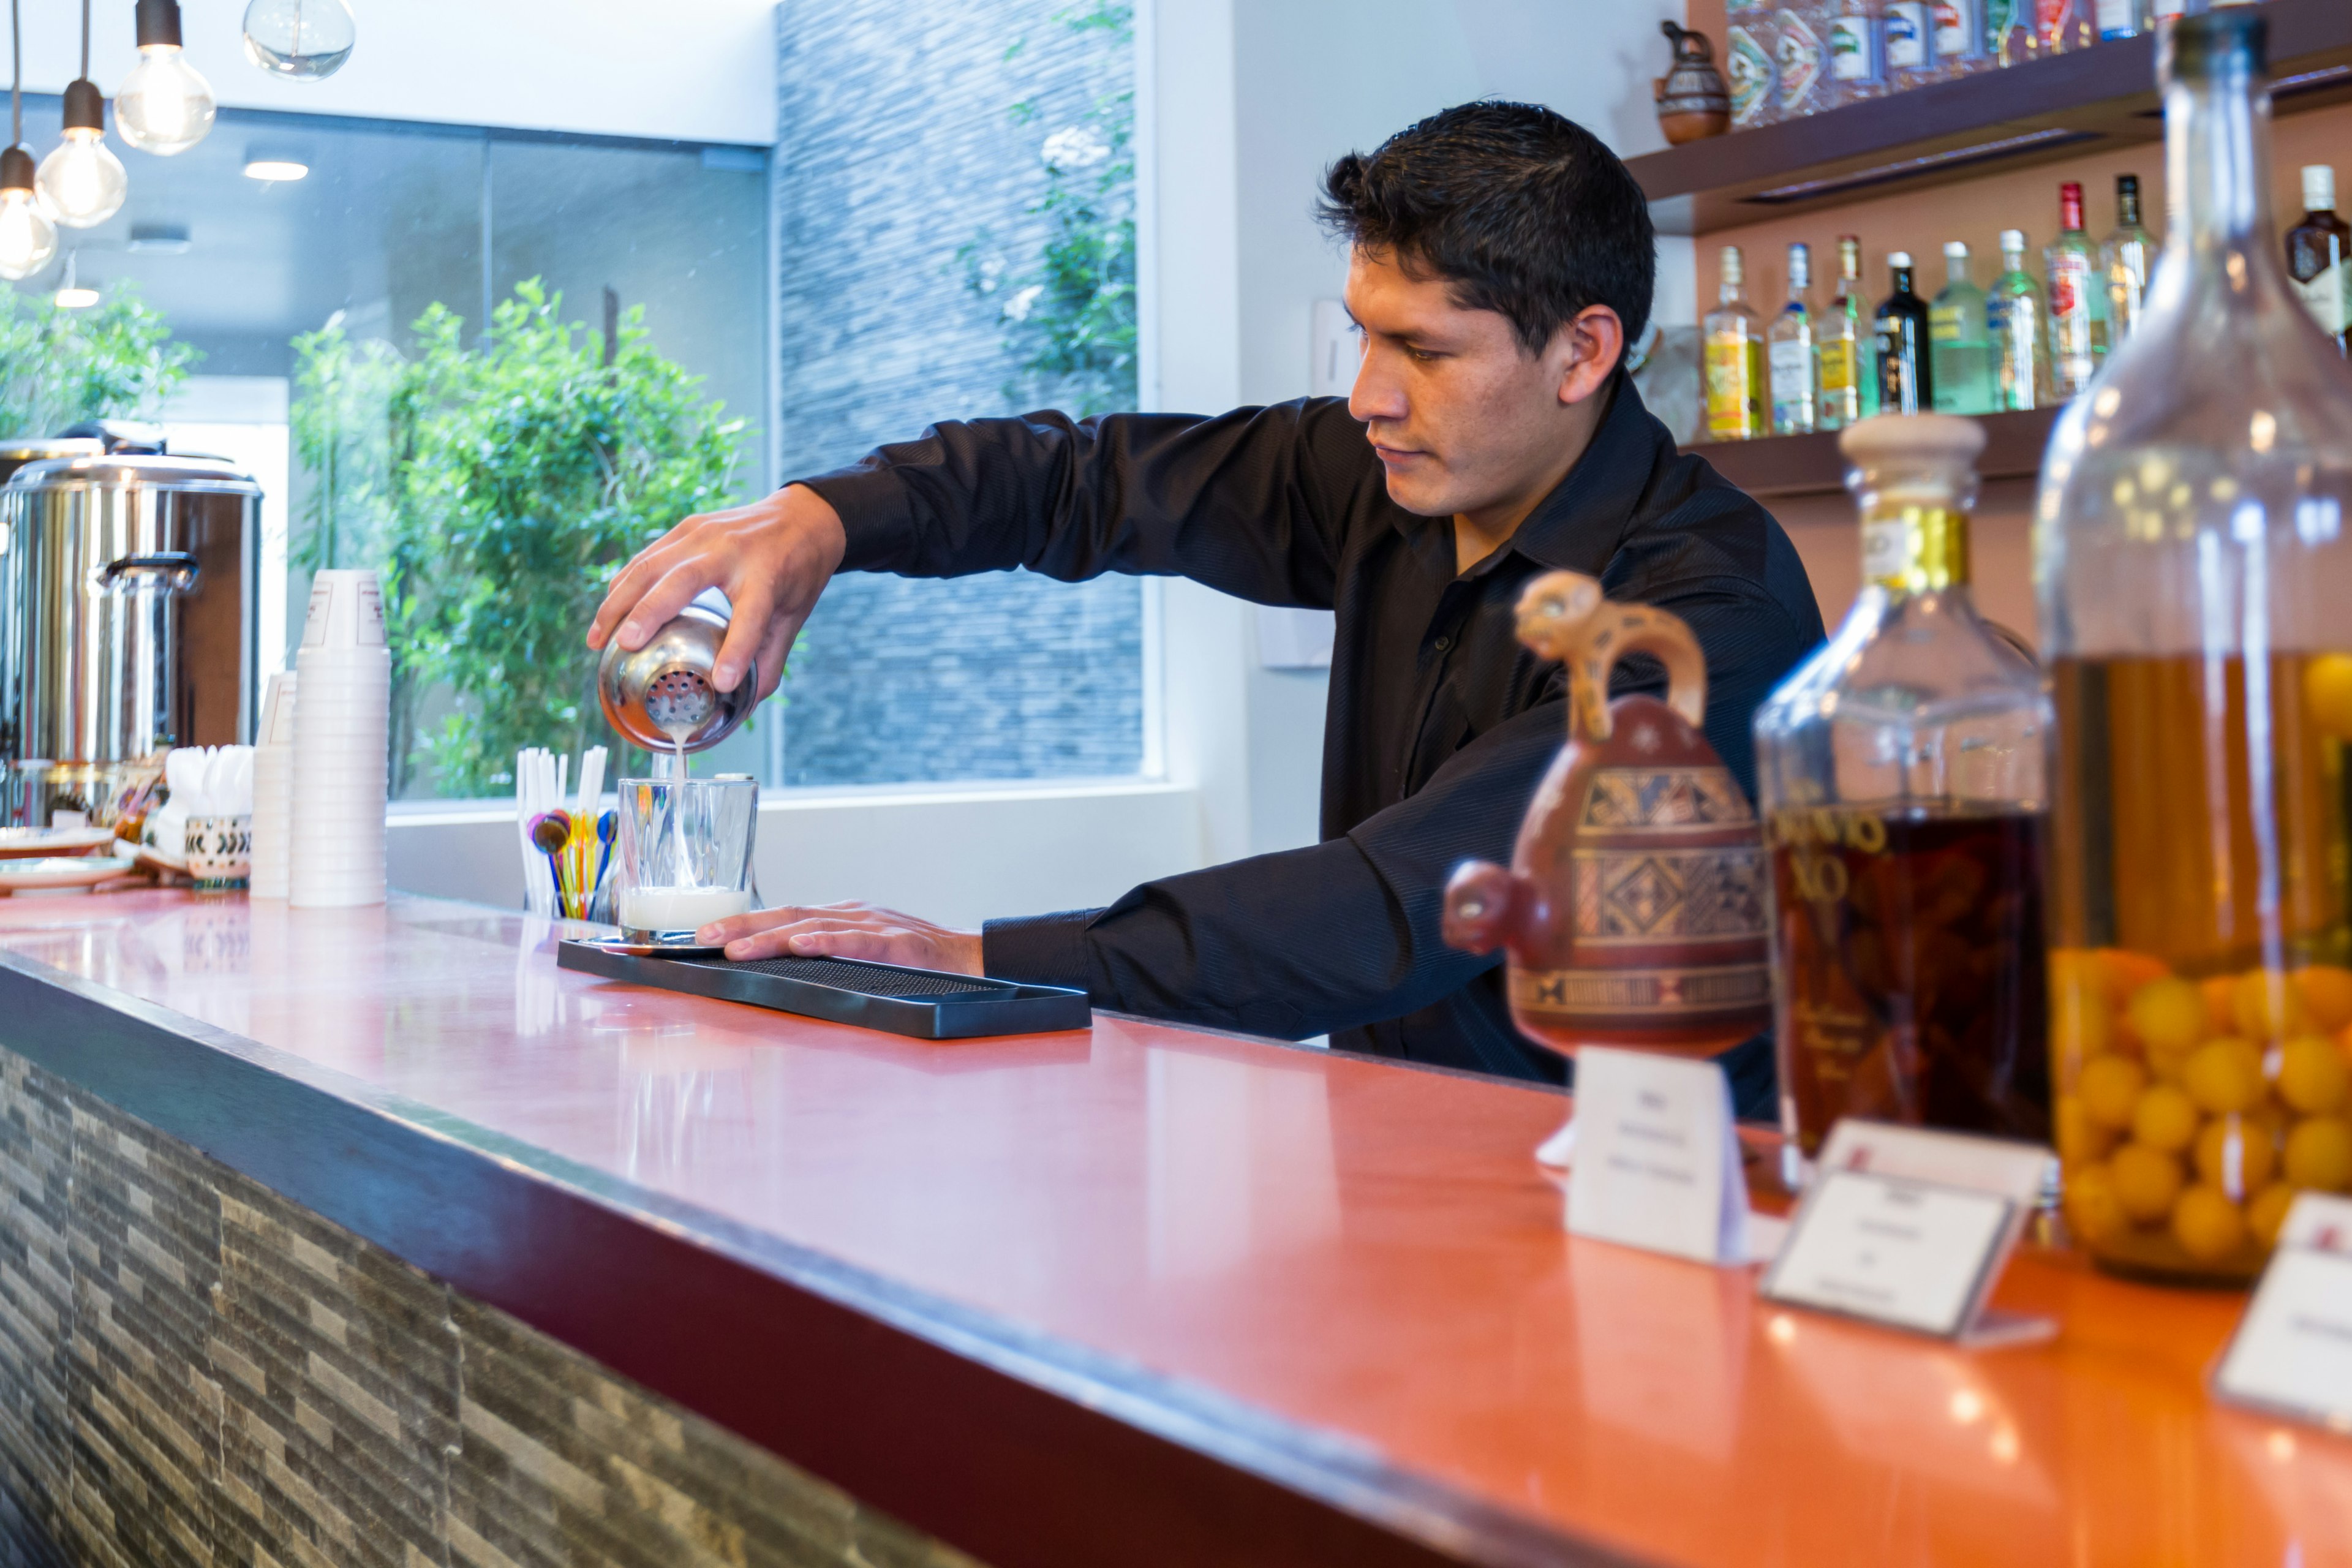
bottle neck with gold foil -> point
(1915, 548)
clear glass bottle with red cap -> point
(2195, 573)
(2078, 298)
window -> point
(949, 234)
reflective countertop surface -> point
(1362, 1250)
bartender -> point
(1501, 260)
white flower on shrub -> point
(1074, 147)
(1017, 308)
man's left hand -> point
(844, 931)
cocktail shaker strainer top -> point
(661, 697)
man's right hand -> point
(772, 558)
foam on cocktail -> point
(679, 909)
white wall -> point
(1244, 104)
(699, 70)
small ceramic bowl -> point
(220, 852)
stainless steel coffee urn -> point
(127, 627)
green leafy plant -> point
(57, 367)
(495, 486)
(1069, 314)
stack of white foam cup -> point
(273, 791)
(343, 673)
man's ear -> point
(1589, 346)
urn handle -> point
(1486, 907)
(1563, 615)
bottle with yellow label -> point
(1736, 401)
(1845, 348)
(1900, 776)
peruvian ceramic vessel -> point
(1694, 102)
(1634, 912)
(220, 851)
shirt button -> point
(1443, 644)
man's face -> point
(1464, 418)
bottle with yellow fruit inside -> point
(2193, 1111)
(2194, 565)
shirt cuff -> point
(1039, 950)
(872, 502)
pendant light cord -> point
(85, 38)
(16, 85)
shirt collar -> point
(1578, 526)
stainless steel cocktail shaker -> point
(661, 696)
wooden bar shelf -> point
(1776, 467)
(2061, 106)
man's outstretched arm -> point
(1248, 503)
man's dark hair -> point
(1522, 210)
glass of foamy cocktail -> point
(683, 850)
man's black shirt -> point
(1439, 723)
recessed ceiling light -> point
(271, 171)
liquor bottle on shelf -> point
(1907, 44)
(2125, 255)
(1789, 351)
(1846, 346)
(1906, 376)
(1735, 360)
(2193, 581)
(2319, 258)
(1960, 29)
(1959, 348)
(2078, 299)
(2014, 315)
(2119, 20)
(1857, 69)
(1801, 39)
(1900, 772)
(2062, 26)
(1748, 63)
(2009, 31)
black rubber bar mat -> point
(922, 1002)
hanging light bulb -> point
(163, 106)
(305, 40)
(28, 237)
(71, 295)
(83, 181)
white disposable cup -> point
(277, 727)
(273, 811)
(346, 610)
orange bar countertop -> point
(1142, 1294)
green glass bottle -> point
(2014, 318)
(1958, 341)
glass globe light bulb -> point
(83, 180)
(28, 237)
(303, 40)
(164, 105)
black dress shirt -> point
(1439, 723)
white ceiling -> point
(700, 70)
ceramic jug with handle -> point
(1634, 912)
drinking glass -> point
(684, 854)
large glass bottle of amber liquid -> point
(2196, 596)
(1901, 773)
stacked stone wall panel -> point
(199, 1371)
